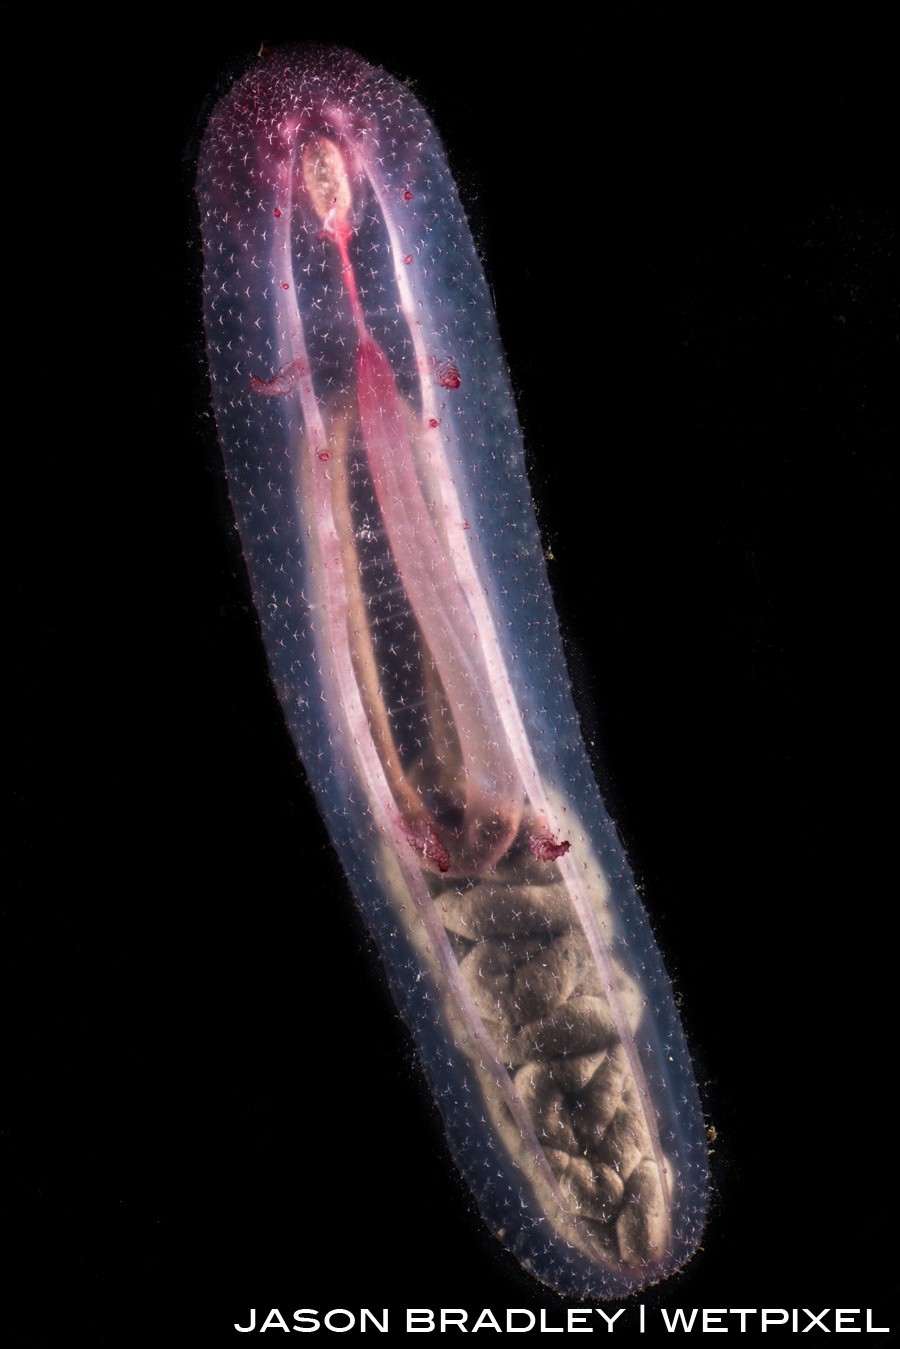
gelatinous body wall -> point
(376, 470)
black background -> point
(690, 234)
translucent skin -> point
(376, 471)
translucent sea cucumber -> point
(376, 470)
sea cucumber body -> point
(376, 471)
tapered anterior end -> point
(327, 182)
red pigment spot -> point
(285, 285)
(466, 524)
(447, 375)
(281, 383)
(277, 213)
(324, 456)
(546, 849)
(423, 837)
(408, 259)
(433, 422)
(407, 195)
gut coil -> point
(376, 472)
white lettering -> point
(606, 1316)
(366, 1315)
(416, 1314)
(555, 1330)
(679, 1318)
(743, 1313)
(252, 1325)
(274, 1321)
(306, 1314)
(486, 1319)
(339, 1311)
(843, 1320)
(454, 1316)
(774, 1316)
(814, 1320)
(712, 1317)
(874, 1330)
(519, 1311)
